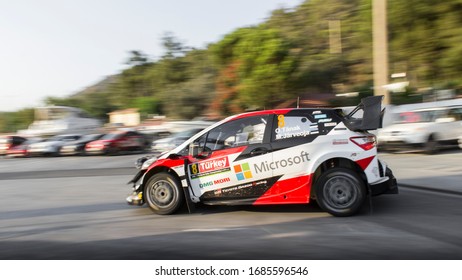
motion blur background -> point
(316, 53)
(170, 68)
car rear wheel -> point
(340, 192)
(163, 194)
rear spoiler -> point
(372, 115)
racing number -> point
(281, 122)
(194, 169)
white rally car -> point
(284, 156)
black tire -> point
(431, 146)
(163, 194)
(340, 192)
(112, 151)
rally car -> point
(283, 156)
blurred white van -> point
(427, 129)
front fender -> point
(172, 166)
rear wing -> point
(372, 115)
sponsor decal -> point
(330, 124)
(214, 182)
(295, 160)
(317, 112)
(287, 129)
(244, 186)
(209, 167)
(324, 120)
(340, 141)
(295, 131)
(322, 116)
(253, 189)
(243, 171)
(291, 135)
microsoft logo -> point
(243, 171)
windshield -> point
(55, 138)
(111, 136)
(419, 116)
(90, 137)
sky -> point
(57, 48)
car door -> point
(225, 169)
(129, 140)
(297, 137)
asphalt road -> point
(79, 212)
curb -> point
(430, 189)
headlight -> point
(148, 162)
(144, 162)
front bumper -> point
(388, 186)
(136, 197)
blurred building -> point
(126, 117)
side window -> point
(293, 127)
(17, 140)
(236, 133)
(456, 114)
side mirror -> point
(194, 150)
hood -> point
(46, 144)
(406, 127)
(163, 140)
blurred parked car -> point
(77, 147)
(115, 142)
(8, 142)
(51, 147)
(169, 143)
(22, 150)
(426, 129)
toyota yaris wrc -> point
(284, 156)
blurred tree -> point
(63, 101)
(263, 62)
(10, 122)
(226, 101)
(423, 36)
(147, 105)
(288, 55)
(137, 58)
(190, 99)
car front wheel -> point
(340, 192)
(163, 194)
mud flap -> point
(187, 196)
(369, 198)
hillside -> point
(320, 47)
